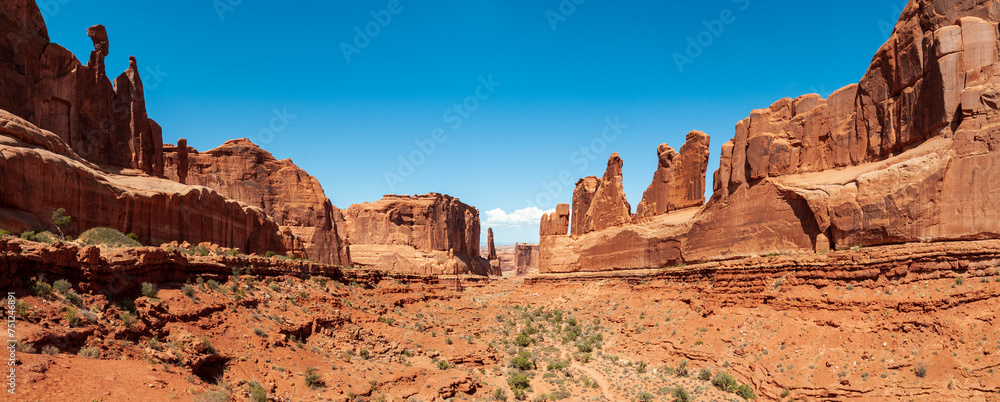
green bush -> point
(133, 236)
(256, 392)
(645, 397)
(443, 365)
(745, 392)
(724, 382)
(270, 254)
(43, 237)
(188, 290)
(681, 394)
(499, 395)
(920, 370)
(62, 286)
(106, 237)
(61, 220)
(149, 290)
(522, 361)
(523, 340)
(518, 385)
(705, 374)
(682, 369)
(3, 233)
(313, 379)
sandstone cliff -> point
(241, 170)
(903, 156)
(428, 234)
(526, 258)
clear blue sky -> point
(212, 78)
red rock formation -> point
(903, 156)
(41, 173)
(555, 223)
(492, 257)
(414, 234)
(241, 170)
(679, 181)
(526, 258)
(600, 203)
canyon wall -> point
(904, 156)
(426, 234)
(242, 171)
(526, 258)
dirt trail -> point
(605, 387)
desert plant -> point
(3, 233)
(725, 382)
(522, 361)
(62, 286)
(106, 237)
(920, 370)
(745, 392)
(260, 332)
(270, 254)
(128, 319)
(149, 290)
(215, 395)
(256, 392)
(188, 291)
(25, 347)
(681, 394)
(133, 236)
(682, 369)
(645, 397)
(90, 353)
(50, 350)
(499, 395)
(443, 365)
(641, 367)
(61, 221)
(313, 379)
(705, 374)
(72, 319)
(518, 385)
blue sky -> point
(502, 103)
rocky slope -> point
(897, 158)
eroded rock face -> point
(525, 258)
(679, 181)
(415, 234)
(555, 223)
(904, 156)
(241, 170)
(41, 174)
(493, 249)
(600, 203)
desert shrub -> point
(200, 250)
(133, 236)
(106, 237)
(188, 290)
(745, 392)
(920, 370)
(149, 290)
(682, 369)
(705, 374)
(43, 237)
(62, 286)
(215, 395)
(72, 319)
(128, 319)
(50, 350)
(645, 397)
(313, 379)
(559, 395)
(41, 289)
(681, 394)
(260, 332)
(90, 353)
(270, 254)
(126, 305)
(26, 347)
(212, 284)
(522, 361)
(556, 365)
(256, 392)
(523, 340)
(3, 233)
(443, 365)
(959, 281)
(365, 354)
(518, 385)
(641, 367)
(499, 395)
(725, 382)
(61, 220)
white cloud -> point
(526, 216)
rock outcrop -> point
(241, 170)
(555, 223)
(41, 174)
(492, 256)
(679, 181)
(904, 156)
(600, 203)
(416, 234)
(526, 258)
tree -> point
(61, 220)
